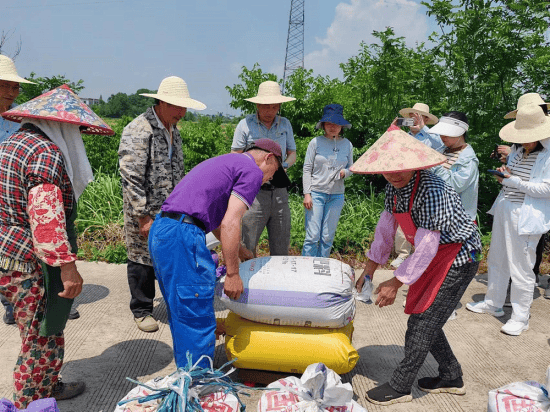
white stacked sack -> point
(295, 291)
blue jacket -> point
(463, 176)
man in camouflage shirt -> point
(151, 165)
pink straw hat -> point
(397, 151)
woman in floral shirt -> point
(43, 171)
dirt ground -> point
(104, 347)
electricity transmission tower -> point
(294, 58)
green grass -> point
(100, 223)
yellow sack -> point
(288, 348)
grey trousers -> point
(270, 209)
(425, 332)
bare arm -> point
(230, 237)
(290, 157)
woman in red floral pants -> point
(43, 171)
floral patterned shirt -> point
(28, 159)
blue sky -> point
(123, 45)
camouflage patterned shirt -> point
(148, 176)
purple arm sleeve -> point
(384, 236)
(426, 246)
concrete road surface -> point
(104, 347)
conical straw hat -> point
(60, 105)
(8, 72)
(397, 151)
(419, 108)
(173, 90)
(269, 92)
(525, 100)
(531, 125)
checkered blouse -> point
(437, 206)
(28, 158)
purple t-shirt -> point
(204, 192)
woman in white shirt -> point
(521, 216)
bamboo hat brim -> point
(531, 125)
(421, 109)
(397, 151)
(173, 90)
(60, 105)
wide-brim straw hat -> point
(525, 100)
(60, 105)
(269, 92)
(173, 90)
(531, 125)
(8, 71)
(419, 108)
(397, 151)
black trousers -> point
(425, 332)
(141, 279)
(540, 250)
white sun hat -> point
(421, 109)
(525, 100)
(173, 90)
(8, 71)
(531, 125)
(269, 92)
(448, 126)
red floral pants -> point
(40, 359)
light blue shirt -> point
(251, 129)
(325, 158)
(429, 139)
(463, 177)
(7, 127)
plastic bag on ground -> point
(319, 389)
(295, 291)
(529, 396)
(39, 405)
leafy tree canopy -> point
(44, 84)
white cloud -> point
(355, 21)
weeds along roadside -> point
(100, 223)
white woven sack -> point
(529, 396)
(211, 402)
(319, 389)
(295, 291)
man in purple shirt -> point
(213, 196)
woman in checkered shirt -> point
(445, 260)
(43, 171)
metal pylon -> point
(294, 58)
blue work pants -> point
(186, 274)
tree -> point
(44, 84)
(251, 80)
